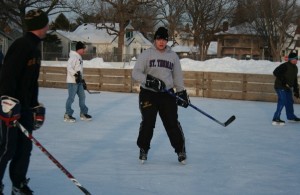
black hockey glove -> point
(78, 77)
(184, 99)
(155, 83)
(38, 116)
(84, 84)
(10, 110)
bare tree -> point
(206, 18)
(240, 12)
(13, 11)
(121, 12)
(274, 21)
(172, 12)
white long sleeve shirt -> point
(75, 64)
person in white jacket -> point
(75, 84)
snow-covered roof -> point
(93, 33)
(90, 33)
(142, 40)
(244, 28)
(212, 49)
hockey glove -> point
(184, 99)
(155, 83)
(10, 110)
(38, 116)
(84, 84)
(78, 77)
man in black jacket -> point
(19, 101)
(286, 83)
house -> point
(240, 42)
(184, 51)
(102, 43)
(5, 41)
(293, 41)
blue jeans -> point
(285, 99)
(73, 89)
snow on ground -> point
(226, 64)
(249, 157)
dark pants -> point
(285, 99)
(151, 103)
(16, 148)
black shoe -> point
(295, 120)
(143, 155)
(85, 117)
(1, 189)
(278, 122)
(181, 157)
(22, 190)
(69, 118)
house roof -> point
(249, 29)
(212, 49)
(96, 34)
(242, 29)
(137, 35)
(89, 33)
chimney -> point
(225, 26)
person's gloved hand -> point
(10, 110)
(155, 83)
(184, 99)
(38, 116)
(78, 77)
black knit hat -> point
(79, 45)
(293, 56)
(161, 33)
(36, 19)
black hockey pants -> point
(151, 103)
(16, 148)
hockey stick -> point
(85, 88)
(92, 92)
(226, 123)
(60, 166)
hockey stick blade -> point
(45, 151)
(230, 120)
(92, 92)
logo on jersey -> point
(161, 63)
(145, 104)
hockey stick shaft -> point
(226, 123)
(45, 151)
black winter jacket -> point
(286, 74)
(20, 71)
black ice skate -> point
(278, 122)
(22, 190)
(143, 156)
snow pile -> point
(226, 64)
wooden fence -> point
(237, 86)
